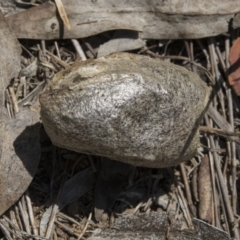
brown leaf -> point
(205, 190)
(234, 70)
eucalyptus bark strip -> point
(152, 19)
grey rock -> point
(158, 226)
(126, 107)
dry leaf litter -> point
(206, 187)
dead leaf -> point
(132, 196)
(123, 40)
(234, 70)
(205, 190)
(75, 187)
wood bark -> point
(153, 19)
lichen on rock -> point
(126, 107)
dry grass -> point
(206, 187)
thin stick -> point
(90, 48)
(14, 100)
(192, 56)
(18, 218)
(51, 221)
(79, 49)
(187, 190)
(58, 60)
(69, 230)
(224, 189)
(216, 221)
(204, 52)
(30, 212)
(63, 14)
(24, 216)
(184, 207)
(208, 74)
(86, 226)
(64, 216)
(5, 231)
(57, 49)
(233, 154)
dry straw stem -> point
(66, 228)
(223, 123)
(79, 50)
(23, 212)
(86, 226)
(30, 213)
(184, 208)
(58, 60)
(187, 190)
(232, 136)
(223, 187)
(63, 13)
(232, 153)
(208, 74)
(12, 232)
(220, 130)
(14, 99)
(50, 226)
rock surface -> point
(157, 226)
(126, 107)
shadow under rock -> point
(20, 155)
(27, 148)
